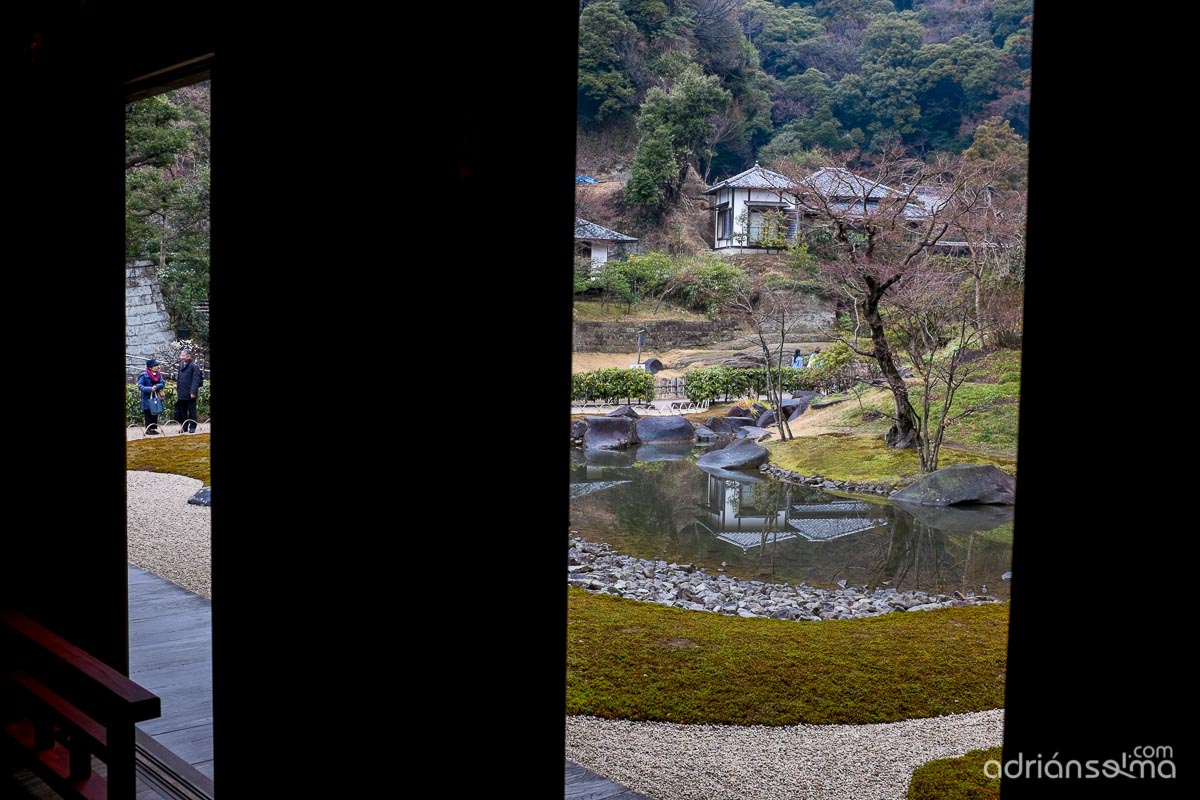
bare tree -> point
(874, 234)
(765, 304)
(932, 318)
(990, 226)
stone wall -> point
(810, 314)
(813, 316)
(147, 324)
(622, 337)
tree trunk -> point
(978, 309)
(905, 432)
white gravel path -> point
(796, 762)
(166, 535)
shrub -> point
(726, 382)
(707, 283)
(612, 384)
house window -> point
(583, 249)
(725, 223)
(754, 230)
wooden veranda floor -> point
(583, 784)
(170, 653)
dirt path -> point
(678, 361)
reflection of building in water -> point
(833, 519)
(753, 514)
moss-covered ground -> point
(642, 661)
(866, 458)
(959, 778)
(179, 455)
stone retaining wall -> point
(147, 324)
(622, 337)
(809, 316)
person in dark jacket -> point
(151, 383)
(187, 390)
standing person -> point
(151, 383)
(797, 359)
(187, 390)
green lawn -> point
(992, 393)
(959, 778)
(642, 661)
(180, 455)
(866, 458)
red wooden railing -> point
(67, 706)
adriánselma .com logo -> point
(1145, 761)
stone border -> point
(821, 482)
(598, 569)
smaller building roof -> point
(592, 231)
(754, 178)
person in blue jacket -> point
(151, 383)
(797, 360)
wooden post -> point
(122, 772)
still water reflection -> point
(654, 503)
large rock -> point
(732, 475)
(705, 432)
(738, 411)
(742, 454)
(202, 497)
(623, 411)
(961, 483)
(727, 426)
(798, 405)
(753, 433)
(766, 419)
(578, 428)
(612, 433)
(741, 361)
(664, 429)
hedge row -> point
(133, 402)
(727, 383)
(613, 384)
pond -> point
(652, 502)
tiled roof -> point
(837, 182)
(590, 230)
(754, 178)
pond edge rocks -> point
(597, 568)
(776, 471)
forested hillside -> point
(167, 197)
(668, 85)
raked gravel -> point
(795, 762)
(166, 535)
